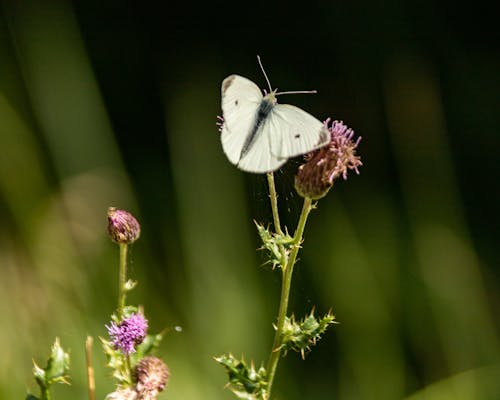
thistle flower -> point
(129, 333)
(315, 178)
(151, 375)
(123, 228)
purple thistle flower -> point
(315, 178)
(129, 333)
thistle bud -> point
(315, 178)
(123, 228)
(151, 375)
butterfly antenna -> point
(298, 92)
(264, 72)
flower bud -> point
(151, 375)
(123, 228)
(315, 178)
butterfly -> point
(258, 134)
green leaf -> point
(128, 311)
(116, 361)
(300, 336)
(274, 244)
(245, 381)
(39, 374)
(129, 285)
(148, 345)
(56, 371)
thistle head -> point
(128, 333)
(123, 228)
(151, 375)
(315, 178)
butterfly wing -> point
(241, 99)
(293, 131)
(262, 143)
(259, 157)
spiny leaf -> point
(245, 381)
(116, 361)
(300, 336)
(274, 244)
(56, 371)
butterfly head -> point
(271, 96)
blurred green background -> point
(114, 104)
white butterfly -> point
(258, 135)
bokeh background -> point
(114, 103)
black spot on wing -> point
(297, 136)
(236, 102)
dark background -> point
(114, 104)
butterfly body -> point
(266, 106)
(258, 134)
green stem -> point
(273, 196)
(129, 368)
(286, 283)
(122, 294)
(122, 279)
(274, 202)
(45, 393)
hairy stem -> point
(122, 279)
(274, 203)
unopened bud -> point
(123, 228)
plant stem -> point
(122, 294)
(274, 202)
(129, 368)
(45, 393)
(122, 279)
(273, 196)
(286, 283)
